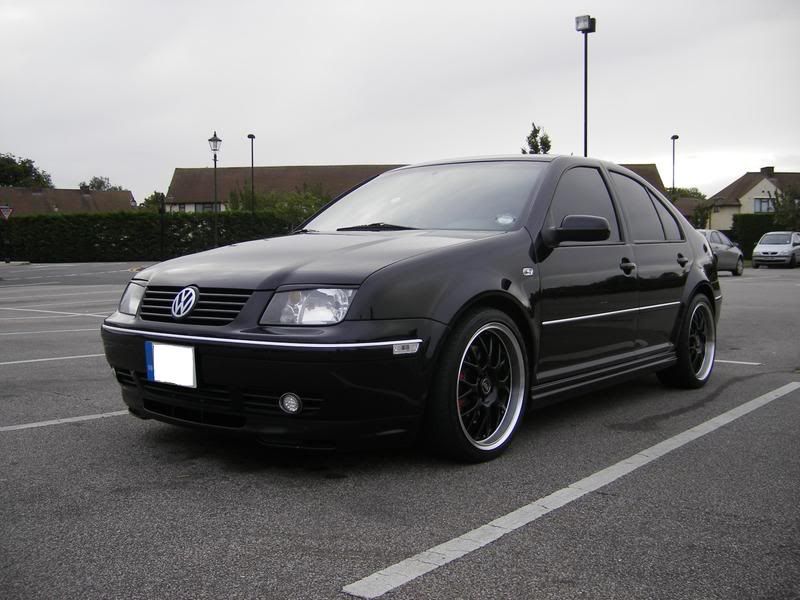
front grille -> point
(214, 306)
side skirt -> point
(554, 391)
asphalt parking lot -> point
(633, 492)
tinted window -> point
(582, 191)
(671, 228)
(639, 210)
(478, 195)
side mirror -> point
(579, 228)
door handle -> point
(627, 266)
(682, 260)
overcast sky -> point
(131, 90)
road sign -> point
(6, 212)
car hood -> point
(340, 258)
(772, 247)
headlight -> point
(783, 253)
(132, 298)
(323, 306)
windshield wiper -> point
(375, 227)
(304, 231)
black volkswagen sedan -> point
(435, 301)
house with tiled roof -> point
(192, 189)
(753, 192)
(45, 201)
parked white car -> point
(777, 248)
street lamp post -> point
(585, 25)
(215, 144)
(161, 210)
(252, 175)
(673, 138)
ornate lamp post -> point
(585, 25)
(215, 144)
(252, 175)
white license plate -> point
(167, 363)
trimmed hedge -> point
(124, 236)
(748, 229)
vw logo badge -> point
(184, 302)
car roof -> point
(541, 158)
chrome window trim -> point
(241, 342)
(610, 314)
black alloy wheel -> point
(696, 347)
(480, 397)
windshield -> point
(478, 195)
(774, 239)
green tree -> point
(680, 192)
(153, 202)
(787, 208)
(21, 172)
(99, 184)
(538, 141)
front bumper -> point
(771, 259)
(353, 389)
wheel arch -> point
(505, 303)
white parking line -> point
(110, 301)
(399, 574)
(116, 413)
(49, 331)
(38, 360)
(23, 285)
(113, 292)
(54, 312)
(59, 316)
(738, 362)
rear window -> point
(671, 229)
(641, 215)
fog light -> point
(290, 403)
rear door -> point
(663, 261)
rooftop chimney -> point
(768, 171)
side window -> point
(582, 191)
(671, 229)
(715, 239)
(725, 240)
(642, 216)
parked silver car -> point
(729, 255)
(777, 248)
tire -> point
(697, 345)
(793, 262)
(739, 267)
(756, 266)
(479, 397)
